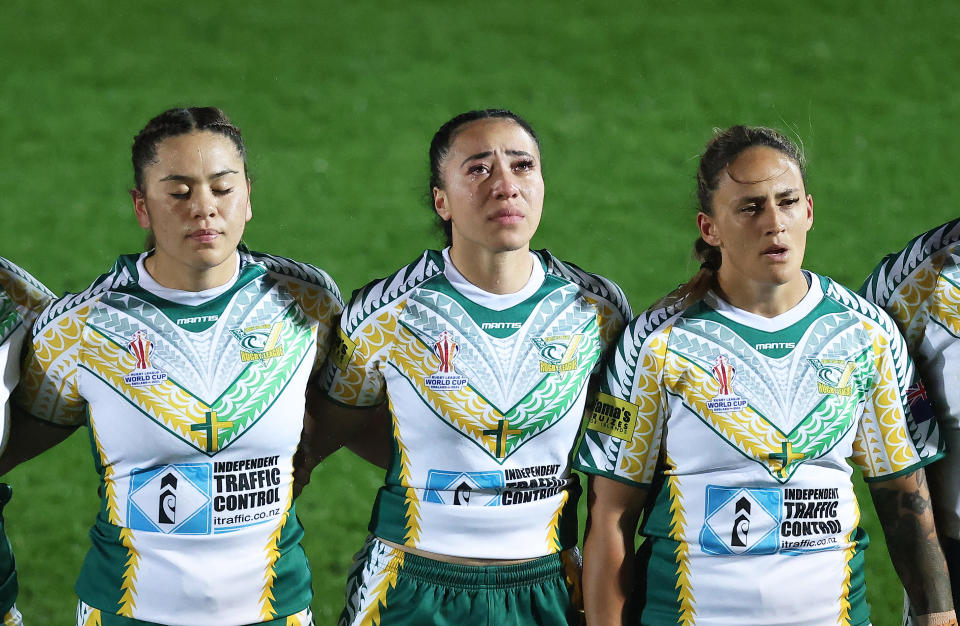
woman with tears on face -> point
(483, 353)
(726, 418)
(188, 363)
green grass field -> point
(338, 102)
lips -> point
(508, 216)
(203, 235)
(776, 252)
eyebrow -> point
(760, 199)
(186, 179)
(483, 155)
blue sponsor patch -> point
(464, 488)
(171, 499)
(740, 520)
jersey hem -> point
(612, 476)
(918, 465)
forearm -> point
(903, 506)
(28, 438)
(607, 575)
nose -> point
(776, 220)
(504, 183)
(204, 203)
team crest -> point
(833, 376)
(259, 343)
(143, 375)
(446, 378)
(558, 353)
(726, 401)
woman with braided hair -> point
(726, 418)
(188, 363)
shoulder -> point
(77, 305)
(901, 268)
(384, 292)
(28, 294)
(289, 271)
(877, 322)
(593, 284)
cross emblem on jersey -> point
(212, 427)
(785, 458)
(501, 432)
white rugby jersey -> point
(194, 413)
(487, 397)
(741, 427)
(22, 297)
(919, 287)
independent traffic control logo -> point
(739, 520)
(464, 488)
(171, 499)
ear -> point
(809, 212)
(249, 214)
(140, 208)
(440, 204)
(708, 229)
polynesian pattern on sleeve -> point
(920, 281)
(28, 295)
(47, 388)
(511, 396)
(366, 332)
(210, 387)
(925, 434)
(607, 296)
(623, 433)
(312, 288)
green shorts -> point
(389, 587)
(89, 616)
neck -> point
(176, 275)
(763, 299)
(495, 272)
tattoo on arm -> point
(903, 506)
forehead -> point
(760, 168)
(198, 152)
(490, 134)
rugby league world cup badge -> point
(446, 378)
(726, 400)
(143, 374)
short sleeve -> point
(897, 433)
(48, 383)
(352, 374)
(624, 430)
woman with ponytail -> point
(726, 418)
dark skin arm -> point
(328, 426)
(903, 506)
(614, 510)
(30, 437)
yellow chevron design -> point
(745, 429)
(553, 527)
(272, 551)
(378, 595)
(24, 294)
(465, 410)
(886, 446)
(609, 320)
(165, 402)
(320, 305)
(638, 459)
(352, 385)
(55, 351)
(129, 579)
(303, 618)
(909, 305)
(678, 523)
(946, 307)
(847, 571)
(412, 536)
(93, 618)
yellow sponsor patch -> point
(343, 351)
(613, 416)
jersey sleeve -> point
(27, 293)
(352, 374)
(48, 384)
(624, 430)
(896, 434)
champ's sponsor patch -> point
(613, 416)
(343, 351)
